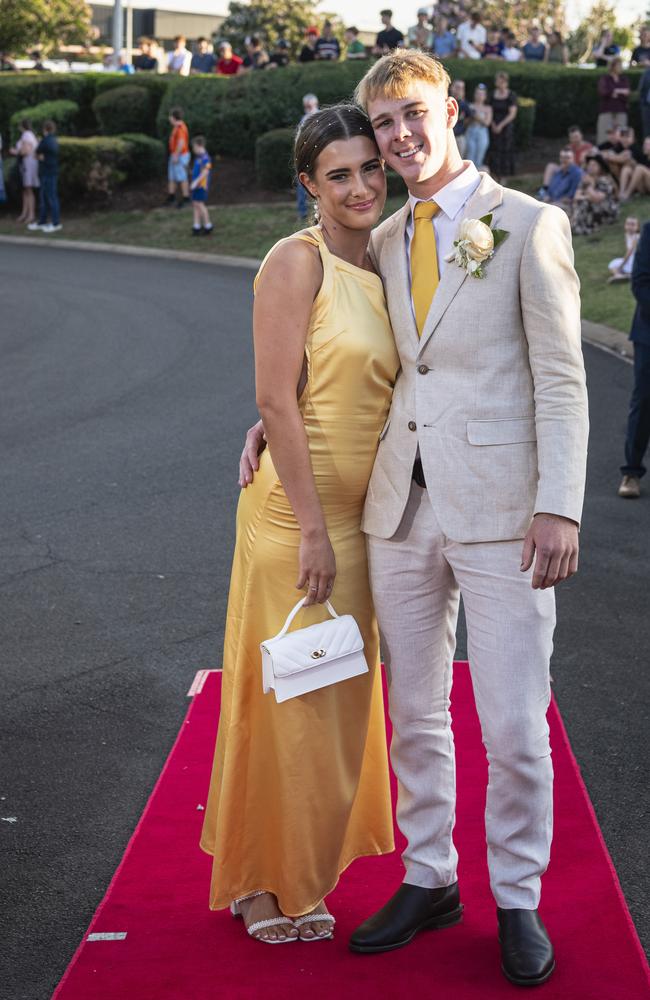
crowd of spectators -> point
(590, 181)
(450, 29)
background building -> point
(157, 22)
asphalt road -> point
(125, 389)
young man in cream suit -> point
(477, 490)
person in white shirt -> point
(420, 35)
(512, 52)
(472, 36)
(180, 59)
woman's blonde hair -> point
(392, 75)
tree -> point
(517, 16)
(271, 20)
(42, 24)
(583, 40)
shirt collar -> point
(453, 196)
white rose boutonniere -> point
(476, 244)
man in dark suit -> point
(638, 423)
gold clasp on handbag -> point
(317, 654)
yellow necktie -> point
(424, 261)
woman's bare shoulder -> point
(295, 263)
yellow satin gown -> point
(299, 790)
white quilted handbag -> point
(312, 657)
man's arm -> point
(550, 306)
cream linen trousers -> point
(416, 577)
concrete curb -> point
(133, 251)
(605, 337)
(610, 340)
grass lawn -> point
(612, 304)
(251, 230)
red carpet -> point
(176, 949)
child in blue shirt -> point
(201, 170)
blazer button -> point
(412, 425)
(423, 369)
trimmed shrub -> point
(248, 107)
(124, 109)
(256, 106)
(234, 112)
(525, 121)
(64, 113)
(204, 101)
(155, 86)
(147, 156)
(93, 166)
(274, 159)
(20, 91)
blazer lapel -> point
(394, 270)
(485, 199)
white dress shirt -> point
(469, 36)
(451, 200)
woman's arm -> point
(284, 299)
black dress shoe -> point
(410, 910)
(527, 957)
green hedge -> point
(19, 91)
(234, 112)
(64, 113)
(274, 159)
(147, 156)
(23, 90)
(124, 109)
(525, 121)
(93, 166)
(155, 86)
(565, 95)
(204, 101)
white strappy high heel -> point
(259, 925)
(313, 918)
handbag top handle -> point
(292, 614)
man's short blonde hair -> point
(392, 75)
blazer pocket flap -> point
(513, 430)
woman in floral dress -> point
(595, 202)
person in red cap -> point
(308, 51)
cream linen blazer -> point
(494, 393)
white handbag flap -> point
(314, 646)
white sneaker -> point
(49, 228)
(34, 226)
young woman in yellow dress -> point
(300, 789)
